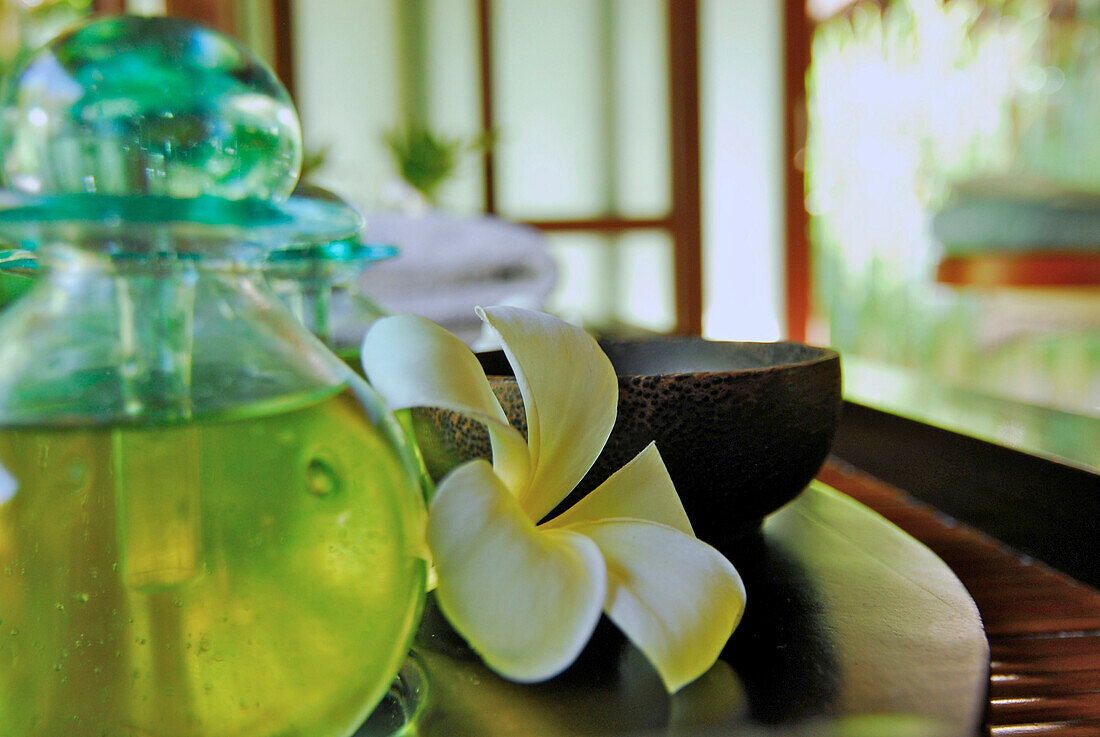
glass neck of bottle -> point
(146, 317)
(156, 310)
(158, 337)
(152, 300)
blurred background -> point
(913, 182)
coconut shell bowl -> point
(742, 427)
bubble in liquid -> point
(78, 477)
(321, 479)
(148, 105)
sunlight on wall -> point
(552, 110)
(741, 88)
(454, 101)
(347, 91)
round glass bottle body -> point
(202, 532)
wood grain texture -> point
(1043, 627)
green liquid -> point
(426, 472)
(254, 574)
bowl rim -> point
(817, 355)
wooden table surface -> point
(1043, 627)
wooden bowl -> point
(742, 427)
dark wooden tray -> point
(852, 627)
(1043, 627)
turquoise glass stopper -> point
(149, 106)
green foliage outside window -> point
(912, 102)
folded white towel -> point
(448, 264)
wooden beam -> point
(219, 15)
(282, 28)
(485, 68)
(602, 225)
(796, 42)
(110, 7)
(683, 53)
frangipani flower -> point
(527, 593)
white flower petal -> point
(641, 490)
(412, 362)
(675, 597)
(526, 600)
(570, 395)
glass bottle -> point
(209, 526)
(319, 282)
